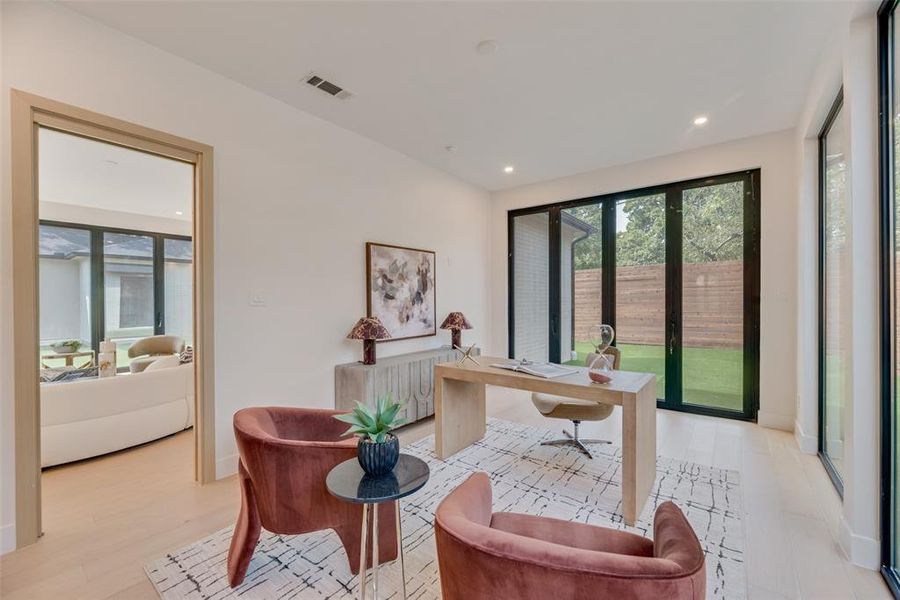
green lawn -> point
(711, 377)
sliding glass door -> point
(712, 295)
(128, 288)
(640, 313)
(674, 269)
(889, 176)
(834, 291)
(102, 283)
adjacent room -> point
(449, 300)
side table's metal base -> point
(370, 513)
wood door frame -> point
(28, 112)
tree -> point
(713, 228)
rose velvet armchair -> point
(285, 455)
(484, 555)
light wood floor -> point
(105, 518)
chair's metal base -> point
(574, 440)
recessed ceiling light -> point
(486, 47)
(179, 213)
(111, 162)
(450, 148)
(701, 120)
(508, 169)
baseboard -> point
(809, 444)
(862, 551)
(7, 538)
(226, 466)
(775, 420)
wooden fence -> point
(712, 299)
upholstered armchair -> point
(285, 455)
(151, 348)
(484, 555)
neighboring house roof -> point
(572, 221)
(67, 243)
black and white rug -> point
(527, 478)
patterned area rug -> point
(527, 478)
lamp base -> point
(456, 338)
(368, 352)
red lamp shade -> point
(369, 329)
(456, 322)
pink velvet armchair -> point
(286, 454)
(484, 555)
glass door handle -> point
(672, 324)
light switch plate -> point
(257, 298)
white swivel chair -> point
(559, 407)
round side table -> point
(349, 482)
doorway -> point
(673, 268)
(32, 118)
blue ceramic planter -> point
(378, 459)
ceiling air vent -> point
(328, 87)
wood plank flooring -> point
(105, 518)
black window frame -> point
(673, 193)
(887, 339)
(97, 284)
(833, 112)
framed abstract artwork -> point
(400, 290)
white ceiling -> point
(84, 172)
(572, 87)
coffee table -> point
(349, 482)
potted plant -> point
(378, 449)
(66, 346)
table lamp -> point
(368, 329)
(456, 322)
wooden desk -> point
(460, 418)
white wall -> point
(89, 215)
(774, 154)
(296, 198)
(851, 62)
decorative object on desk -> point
(400, 289)
(456, 322)
(466, 355)
(66, 346)
(601, 337)
(107, 359)
(368, 329)
(378, 449)
(600, 369)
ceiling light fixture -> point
(701, 120)
(508, 169)
(111, 162)
(179, 213)
(485, 47)
(451, 148)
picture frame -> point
(401, 290)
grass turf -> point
(711, 376)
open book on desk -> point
(545, 370)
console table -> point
(409, 378)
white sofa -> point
(90, 417)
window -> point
(66, 295)
(674, 269)
(98, 283)
(889, 175)
(834, 290)
(128, 288)
(179, 284)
